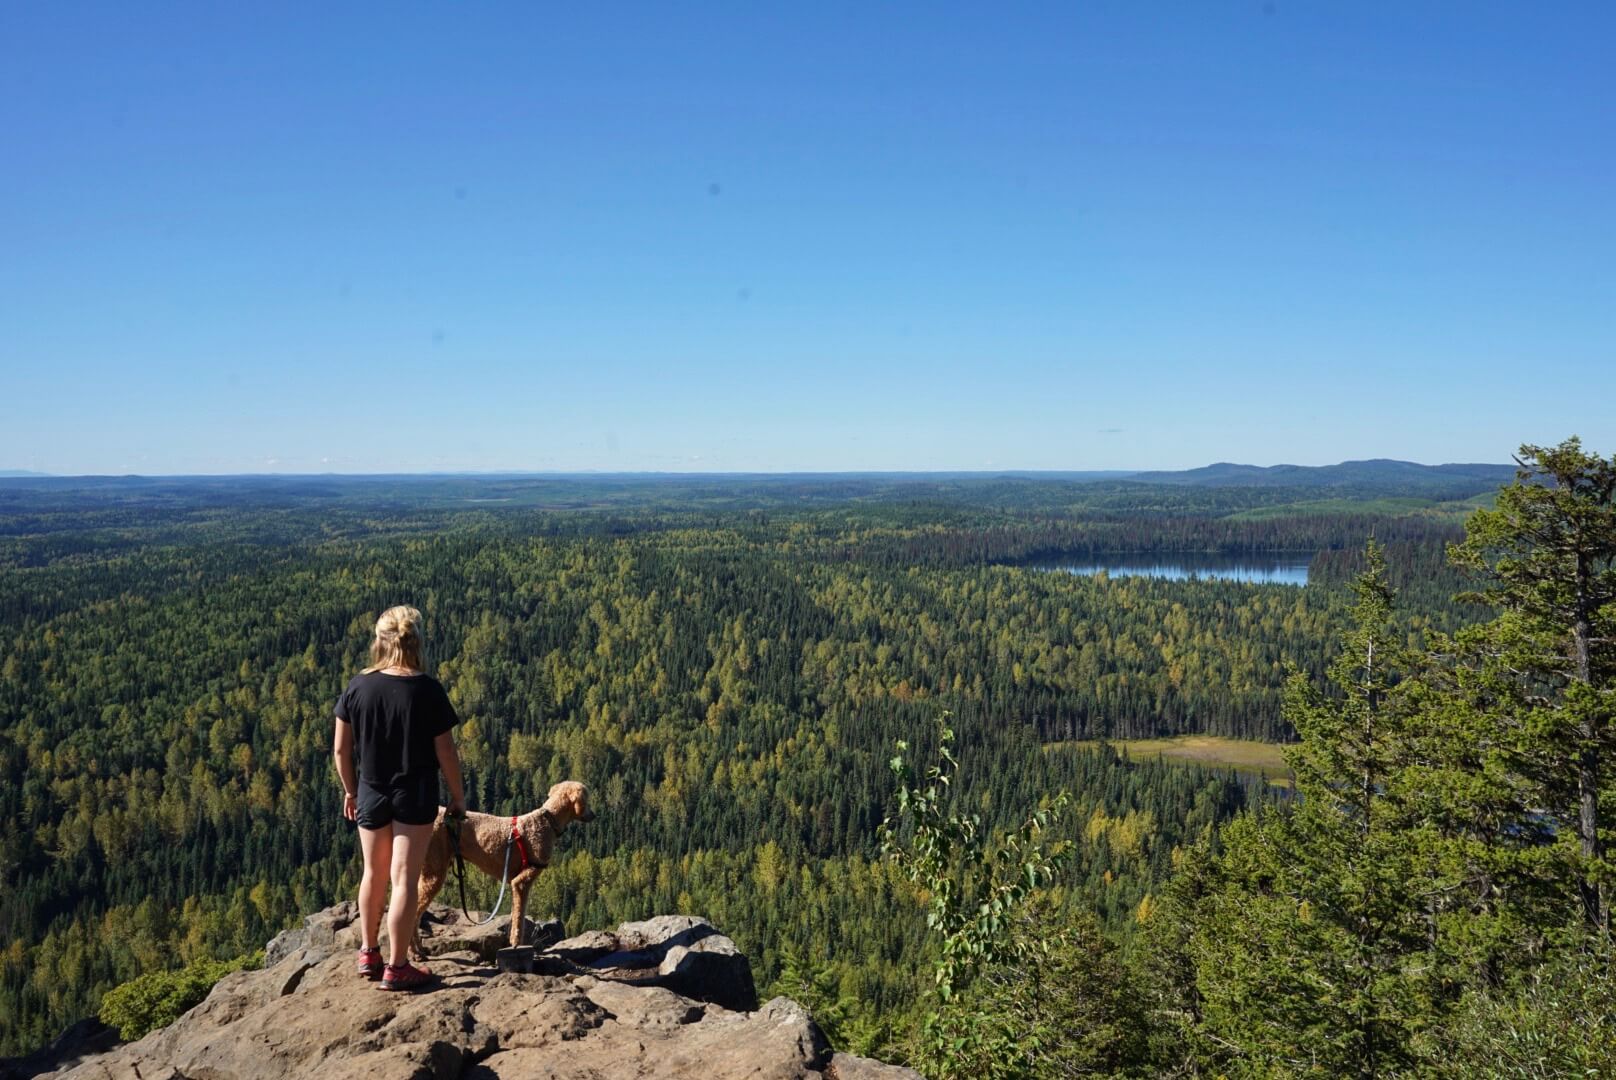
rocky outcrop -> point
(684, 953)
(318, 931)
(84, 1039)
(668, 997)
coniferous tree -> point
(1545, 668)
(1312, 948)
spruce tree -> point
(1545, 668)
(1313, 948)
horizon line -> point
(511, 473)
(665, 473)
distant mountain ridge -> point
(1376, 472)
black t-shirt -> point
(395, 719)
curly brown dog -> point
(482, 842)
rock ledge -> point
(667, 997)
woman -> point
(398, 719)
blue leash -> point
(456, 821)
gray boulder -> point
(853, 1067)
(319, 935)
(683, 953)
(80, 1041)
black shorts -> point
(413, 801)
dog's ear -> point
(580, 803)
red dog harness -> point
(521, 845)
(549, 822)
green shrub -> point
(1555, 1021)
(979, 890)
(156, 1000)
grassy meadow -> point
(1215, 751)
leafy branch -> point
(973, 890)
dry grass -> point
(1215, 751)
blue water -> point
(1252, 569)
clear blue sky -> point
(423, 236)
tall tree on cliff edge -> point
(1312, 946)
(1546, 666)
(1360, 830)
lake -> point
(1252, 569)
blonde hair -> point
(398, 640)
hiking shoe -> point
(370, 963)
(406, 977)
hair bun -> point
(398, 639)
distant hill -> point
(21, 472)
(1375, 473)
(1262, 486)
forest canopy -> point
(729, 665)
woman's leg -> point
(409, 855)
(377, 846)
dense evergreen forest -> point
(729, 665)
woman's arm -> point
(449, 762)
(342, 750)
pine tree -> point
(1313, 948)
(1546, 666)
